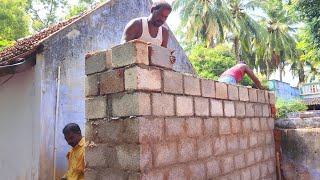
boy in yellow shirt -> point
(75, 156)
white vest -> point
(146, 35)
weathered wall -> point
(19, 129)
(98, 30)
(300, 147)
(147, 122)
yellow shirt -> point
(75, 158)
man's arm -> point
(253, 77)
(131, 31)
(165, 37)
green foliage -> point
(13, 21)
(293, 105)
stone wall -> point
(146, 121)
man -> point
(236, 73)
(150, 29)
(75, 156)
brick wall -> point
(146, 121)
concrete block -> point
(239, 161)
(249, 158)
(227, 164)
(187, 150)
(224, 126)
(145, 157)
(154, 175)
(261, 96)
(246, 174)
(160, 56)
(258, 154)
(165, 154)
(266, 110)
(255, 124)
(143, 79)
(221, 90)
(151, 129)
(269, 137)
(246, 125)
(253, 140)
(258, 110)
(272, 98)
(219, 146)
(100, 156)
(98, 62)
(108, 131)
(261, 138)
(162, 104)
(264, 169)
(264, 124)
(131, 127)
(201, 106)
(266, 153)
(197, 171)
(232, 143)
(271, 166)
(271, 123)
(184, 106)
(243, 142)
(96, 108)
(216, 107)
(134, 104)
(175, 128)
(178, 173)
(211, 127)
(240, 109)
(194, 126)
(253, 95)
(208, 88)
(112, 81)
(90, 174)
(112, 173)
(235, 126)
(213, 169)
(128, 156)
(250, 109)
(255, 172)
(172, 82)
(233, 92)
(234, 176)
(229, 109)
(133, 52)
(92, 85)
(191, 85)
(204, 148)
(266, 95)
(243, 93)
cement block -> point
(213, 169)
(229, 109)
(208, 88)
(236, 126)
(266, 112)
(272, 98)
(211, 127)
(258, 154)
(250, 109)
(204, 148)
(112, 81)
(151, 130)
(98, 62)
(253, 95)
(221, 90)
(201, 106)
(249, 158)
(232, 144)
(96, 108)
(219, 146)
(197, 171)
(128, 156)
(258, 110)
(184, 106)
(187, 150)
(240, 109)
(255, 172)
(224, 126)
(246, 125)
(160, 56)
(261, 96)
(108, 131)
(178, 173)
(243, 142)
(194, 126)
(92, 85)
(255, 122)
(227, 164)
(100, 156)
(233, 92)
(266, 95)
(172, 82)
(175, 128)
(191, 85)
(216, 107)
(243, 93)
(239, 161)
(253, 140)
(134, 104)
(264, 124)
(133, 52)
(162, 104)
(145, 157)
(165, 154)
(246, 174)
(137, 78)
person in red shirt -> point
(236, 73)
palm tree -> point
(203, 20)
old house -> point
(42, 87)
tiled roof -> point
(28, 45)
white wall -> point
(19, 127)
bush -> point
(293, 105)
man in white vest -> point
(150, 29)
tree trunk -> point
(212, 44)
(280, 71)
(268, 70)
(236, 48)
(301, 73)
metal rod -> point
(55, 124)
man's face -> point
(160, 16)
(72, 138)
